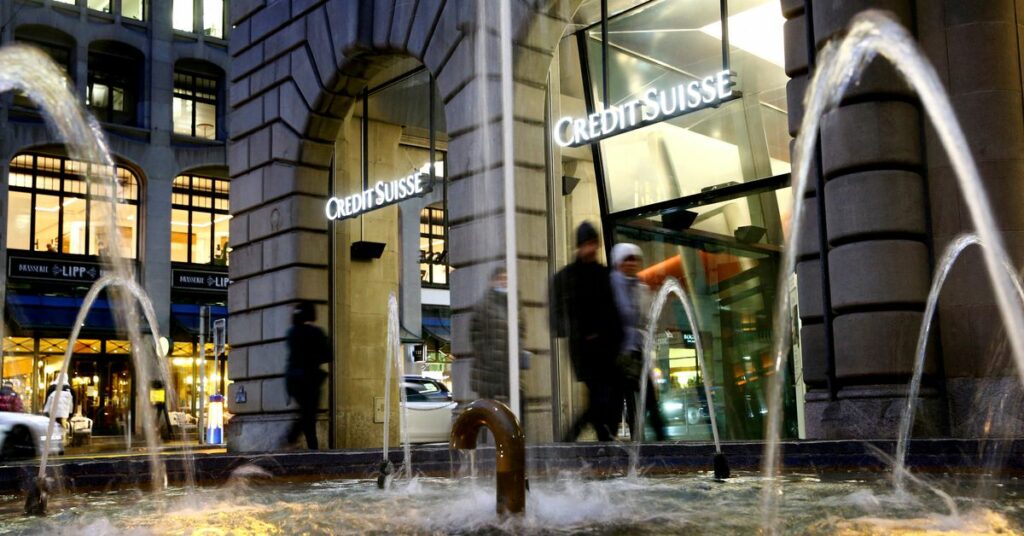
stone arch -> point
(296, 68)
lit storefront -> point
(53, 246)
(696, 173)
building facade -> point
(669, 124)
(153, 74)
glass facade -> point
(434, 267)
(704, 194)
(199, 220)
(114, 85)
(194, 108)
(49, 211)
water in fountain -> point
(32, 72)
(872, 33)
(952, 253)
(670, 286)
(394, 361)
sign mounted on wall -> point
(652, 106)
(382, 194)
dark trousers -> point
(306, 425)
(600, 413)
(631, 392)
(161, 408)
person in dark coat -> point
(488, 333)
(308, 348)
(583, 309)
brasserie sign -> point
(198, 280)
(651, 106)
(53, 270)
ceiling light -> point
(757, 31)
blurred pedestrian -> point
(9, 398)
(158, 398)
(583, 309)
(59, 401)
(633, 299)
(488, 333)
(308, 349)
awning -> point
(186, 316)
(438, 323)
(56, 315)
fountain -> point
(510, 443)
(874, 33)
(819, 503)
(31, 71)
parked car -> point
(23, 435)
(429, 404)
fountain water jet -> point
(872, 33)
(671, 286)
(32, 72)
(394, 361)
(952, 253)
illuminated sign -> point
(380, 195)
(650, 107)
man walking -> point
(308, 348)
(583, 309)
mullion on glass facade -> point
(191, 93)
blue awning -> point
(438, 325)
(57, 314)
(186, 316)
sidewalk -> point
(114, 447)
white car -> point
(429, 405)
(23, 435)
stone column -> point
(877, 240)
(976, 49)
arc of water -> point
(32, 71)
(669, 287)
(949, 258)
(873, 33)
(101, 284)
(394, 361)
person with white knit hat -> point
(632, 296)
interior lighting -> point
(757, 30)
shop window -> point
(199, 220)
(195, 105)
(115, 76)
(211, 16)
(49, 209)
(434, 267)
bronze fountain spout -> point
(510, 451)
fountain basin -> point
(830, 503)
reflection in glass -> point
(663, 44)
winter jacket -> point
(10, 401)
(583, 309)
(65, 402)
(489, 337)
